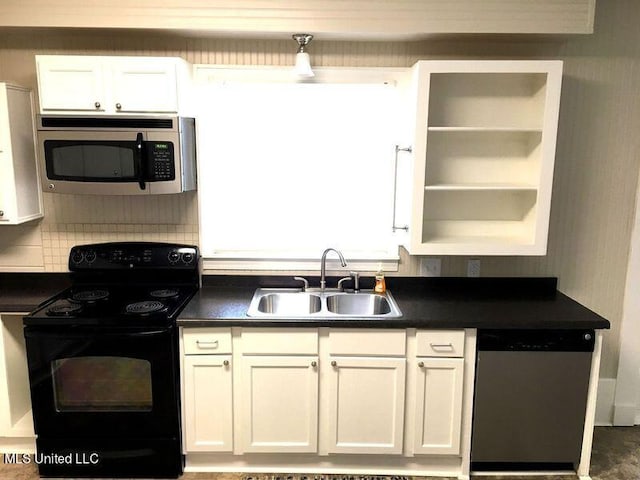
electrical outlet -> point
(430, 267)
(473, 268)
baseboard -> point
(605, 401)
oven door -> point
(103, 383)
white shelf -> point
(481, 187)
(485, 129)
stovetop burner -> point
(146, 307)
(90, 295)
(66, 309)
(123, 285)
(164, 293)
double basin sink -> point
(294, 303)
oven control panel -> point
(132, 255)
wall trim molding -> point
(371, 19)
(627, 396)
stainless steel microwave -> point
(117, 155)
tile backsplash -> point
(80, 219)
(57, 239)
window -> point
(288, 169)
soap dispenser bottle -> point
(380, 286)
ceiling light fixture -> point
(303, 62)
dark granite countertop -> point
(22, 292)
(510, 303)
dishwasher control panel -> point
(536, 340)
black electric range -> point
(103, 362)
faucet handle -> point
(305, 283)
(341, 281)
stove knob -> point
(90, 256)
(174, 256)
(77, 256)
(187, 257)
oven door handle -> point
(61, 332)
(140, 163)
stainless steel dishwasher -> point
(530, 399)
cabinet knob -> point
(97, 104)
(1, 213)
(314, 364)
(421, 364)
(118, 106)
(226, 363)
(334, 363)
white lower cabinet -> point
(365, 388)
(207, 374)
(279, 403)
(332, 400)
(439, 381)
(367, 405)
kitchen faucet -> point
(323, 262)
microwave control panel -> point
(161, 161)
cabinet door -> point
(71, 83)
(208, 403)
(144, 85)
(367, 404)
(438, 405)
(280, 403)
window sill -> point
(215, 263)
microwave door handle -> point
(140, 161)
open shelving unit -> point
(483, 156)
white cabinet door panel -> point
(208, 403)
(71, 83)
(145, 86)
(280, 403)
(439, 389)
(367, 405)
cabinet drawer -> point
(367, 342)
(206, 341)
(440, 343)
(275, 341)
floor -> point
(616, 456)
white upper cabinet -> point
(20, 194)
(483, 156)
(111, 85)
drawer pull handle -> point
(314, 364)
(448, 346)
(334, 363)
(207, 343)
(226, 363)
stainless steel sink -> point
(289, 303)
(358, 304)
(294, 303)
